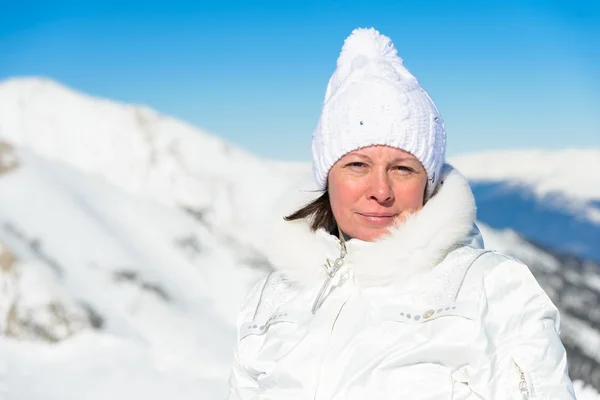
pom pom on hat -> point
(372, 99)
(369, 43)
(366, 50)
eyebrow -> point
(364, 157)
(407, 158)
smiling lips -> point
(382, 219)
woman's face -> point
(372, 188)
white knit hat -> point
(372, 99)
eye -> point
(356, 164)
(404, 168)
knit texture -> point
(372, 99)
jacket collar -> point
(416, 246)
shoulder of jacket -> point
(509, 267)
(489, 265)
(267, 295)
(508, 279)
(489, 260)
(251, 300)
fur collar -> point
(411, 248)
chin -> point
(371, 235)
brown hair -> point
(320, 213)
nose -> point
(380, 189)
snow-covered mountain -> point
(117, 220)
(551, 197)
(141, 152)
(128, 240)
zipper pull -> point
(343, 250)
(523, 388)
(332, 270)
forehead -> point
(380, 153)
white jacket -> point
(423, 313)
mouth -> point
(378, 218)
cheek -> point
(343, 195)
(411, 194)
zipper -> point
(318, 385)
(331, 271)
(523, 386)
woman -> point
(381, 289)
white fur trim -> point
(413, 247)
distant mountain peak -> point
(571, 172)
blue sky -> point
(505, 74)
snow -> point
(585, 392)
(122, 256)
(141, 152)
(96, 366)
(581, 330)
(128, 240)
(551, 197)
(570, 171)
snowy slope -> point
(551, 197)
(95, 366)
(141, 152)
(122, 265)
(116, 219)
(145, 274)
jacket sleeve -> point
(242, 385)
(528, 359)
